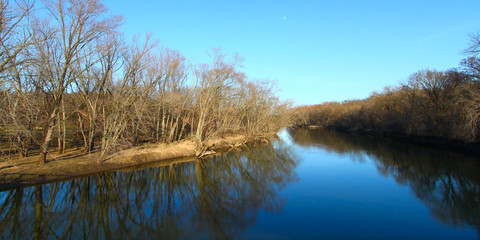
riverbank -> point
(76, 163)
(433, 142)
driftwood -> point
(205, 153)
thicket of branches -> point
(443, 104)
(72, 80)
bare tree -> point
(76, 25)
(215, 80)
(167, 75)
(124, 93)
(474, 48)
(73, 69)
(470, 102)
(16, 35)
(470, 92)
(100, 67)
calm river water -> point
(310, 184)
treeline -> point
(69, 78)
(440, 104)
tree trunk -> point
(48, 137)
(157, 130)
(91, 133)
(199, 133)
(174, 129)
(59, 133)
(181, 130)
(64, 127)
(85, 142)
(163, 122)
(61, 128)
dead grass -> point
(19, 172)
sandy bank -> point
(75, 163)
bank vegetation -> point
(430, 104)
(70, 79)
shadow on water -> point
(446, 182)
(211, 198)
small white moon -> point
(284, 18)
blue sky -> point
(316, 50)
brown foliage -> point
(431, 103)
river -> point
(308, 184)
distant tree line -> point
(441, 104)
(68, 78)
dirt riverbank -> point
(75, 163)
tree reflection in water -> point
(448, 183)
(211, 198)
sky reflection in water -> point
(311, 184)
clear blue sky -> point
(316, 50)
